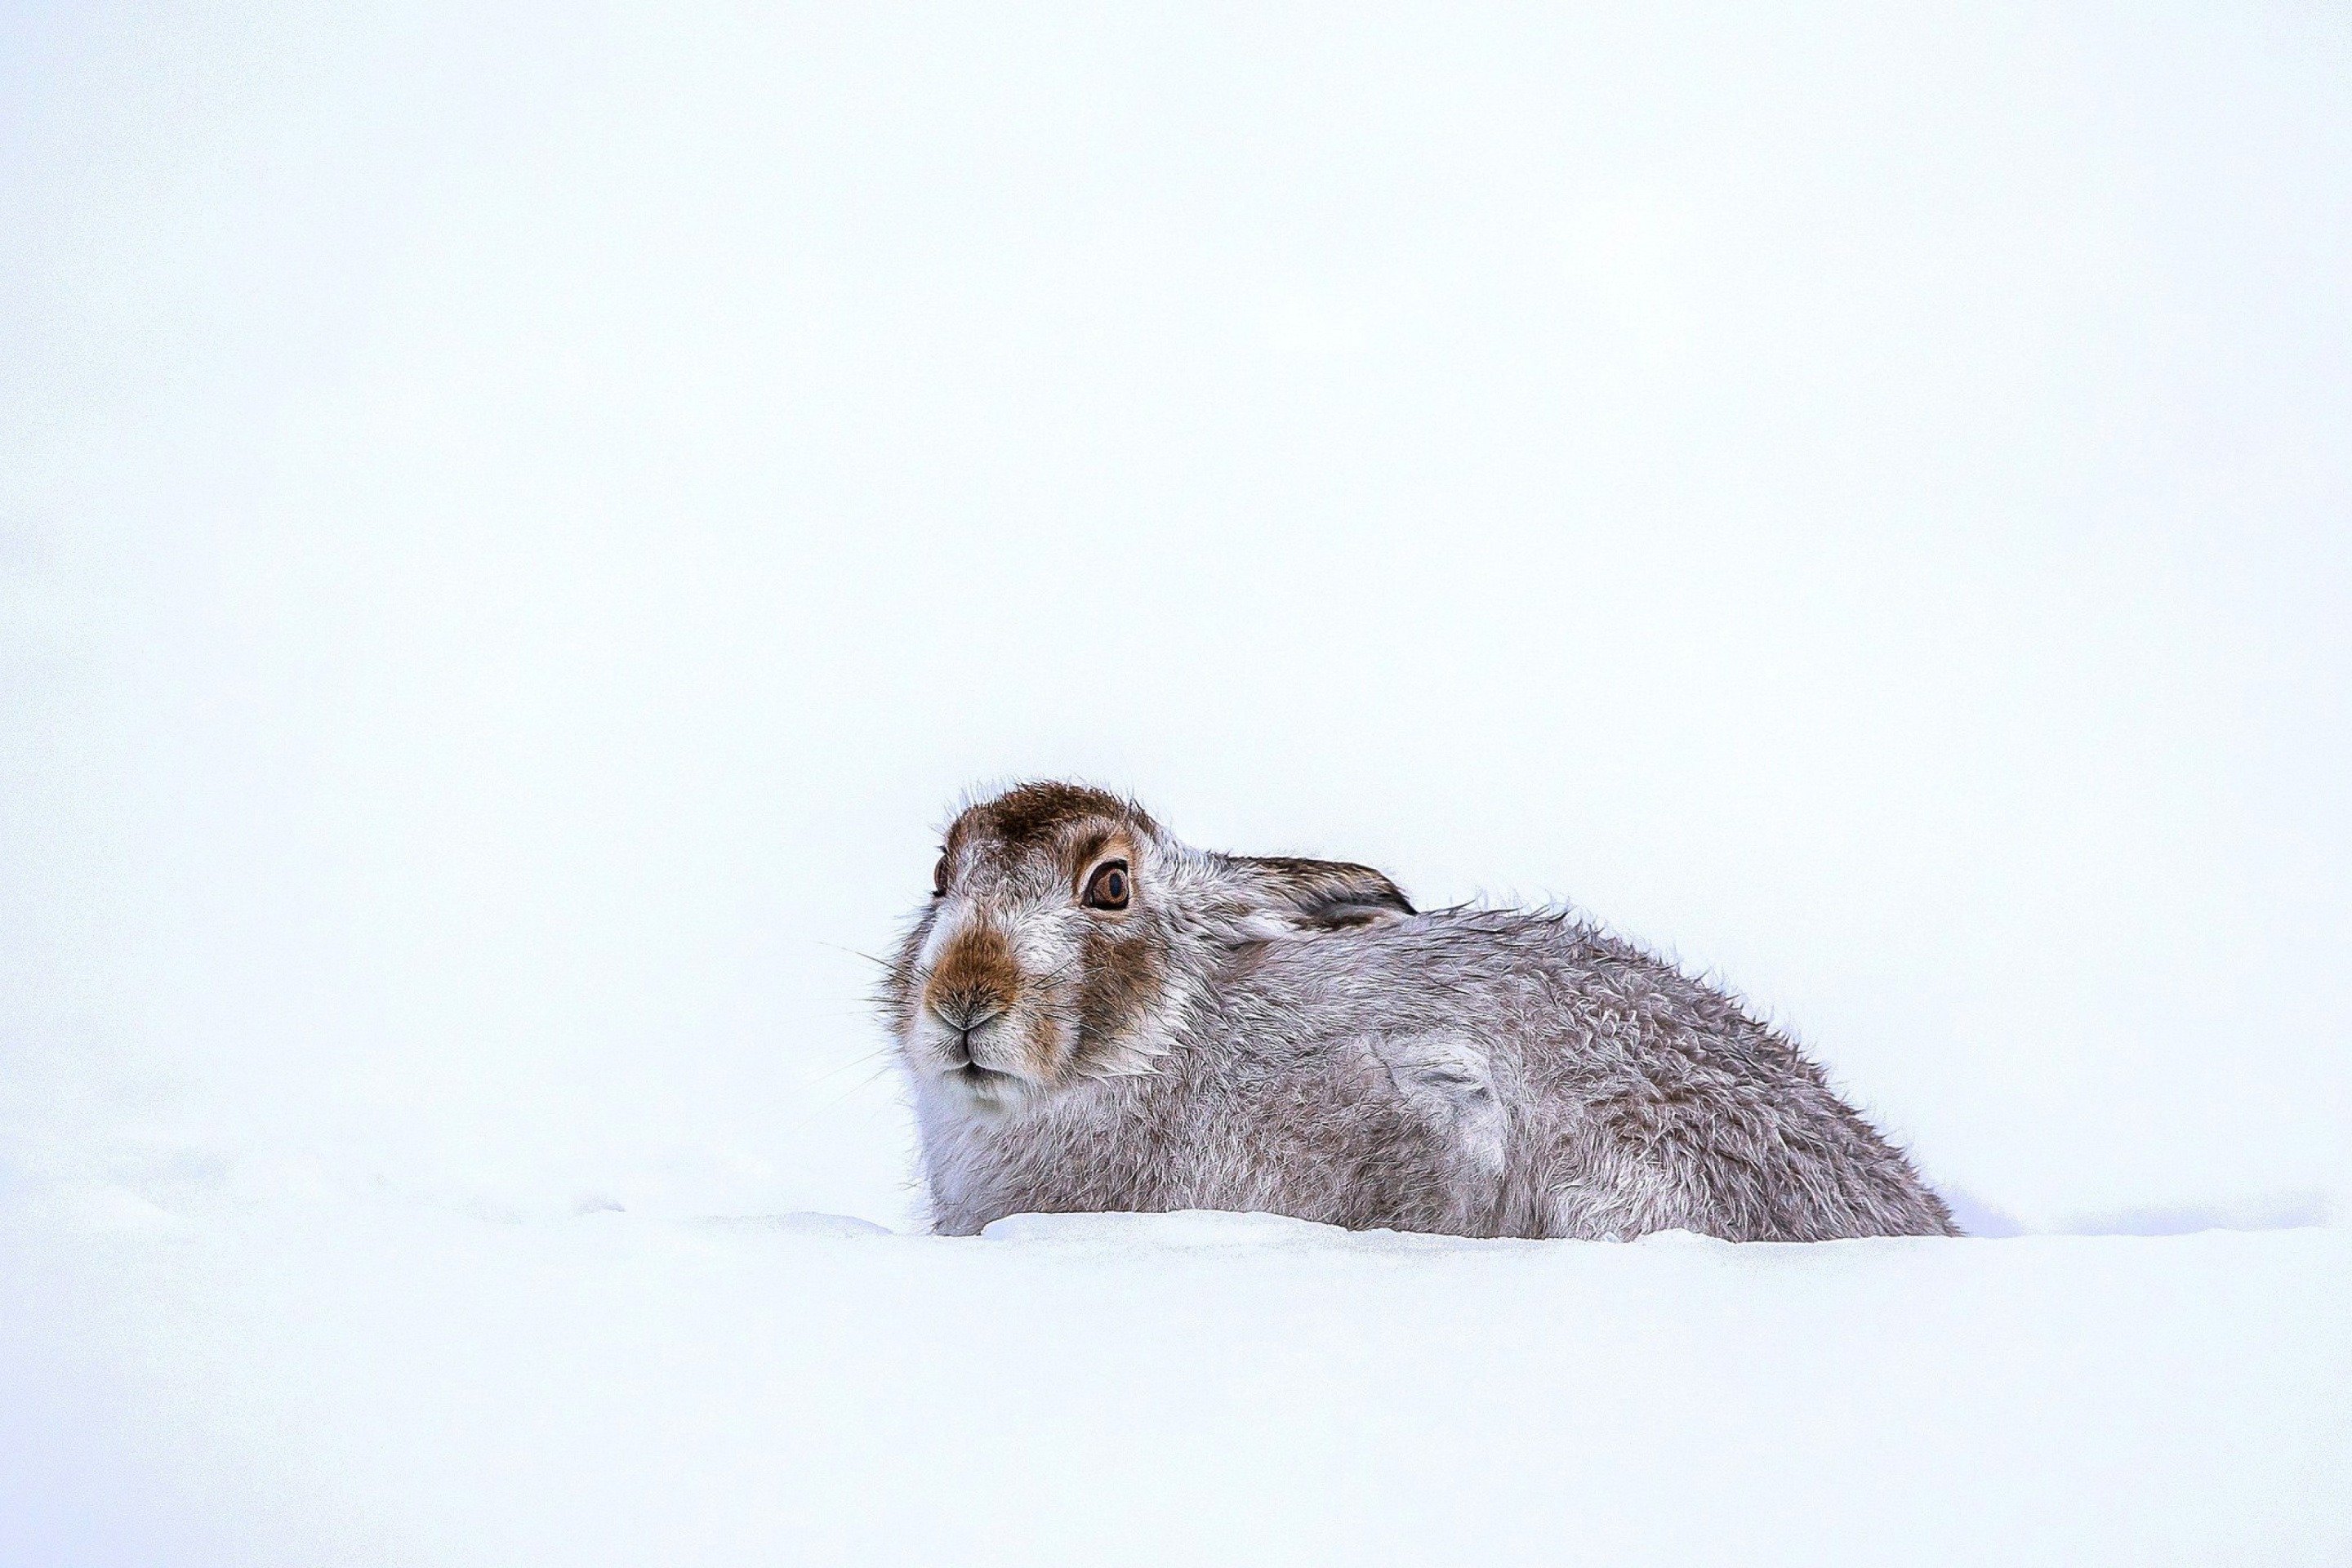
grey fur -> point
(1290, 1037)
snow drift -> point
(398, 1385)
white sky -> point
(515, 526)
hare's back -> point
(1544, 987)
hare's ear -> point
(1310, 898)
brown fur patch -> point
(977, 973)
(1035, 813)
(1123, 980)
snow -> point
(515, 526)
(400, 1385)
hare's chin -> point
(985, 1089)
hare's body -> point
(1287, 1037)
(1475, 1074)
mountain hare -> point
(1097, 1016)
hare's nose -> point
(966, 1013)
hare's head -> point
(1068, 932)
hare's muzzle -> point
(974, 981)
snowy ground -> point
(392, 1384)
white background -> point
(516, 526)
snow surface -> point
(354, 1384)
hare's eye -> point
(940, 878)
(1107, 887)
